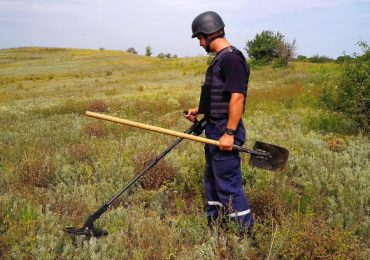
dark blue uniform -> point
(228, 73)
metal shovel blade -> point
(275, 161)
(86, 232)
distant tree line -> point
(166, 56)
(322, 58)
(149, 52)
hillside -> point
(57, 166)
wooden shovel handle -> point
(152, 128)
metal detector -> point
(88, 230)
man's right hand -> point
(192, 114)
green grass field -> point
(57, 166)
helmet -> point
(207, 23)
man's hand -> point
(192, 114)
(226, 142)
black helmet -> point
(207, 23)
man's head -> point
(207, 27)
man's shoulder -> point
(233, 55)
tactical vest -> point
(214, 101)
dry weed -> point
(266, 204)
(72, 206)
(4, 248)
(315, 239)
(98, 106)
(160, 173)
(96, 130)
(334, 144)
(81, 153)
(36, 169)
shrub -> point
(302, 58)
(131, 50)
(352, 95)
(279, 63)
(267, 46)
(343, 58)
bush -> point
(352, 95)
(343, 58)
(131, 50)
(279, 63)
(302, 58)
(268, 46)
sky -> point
(320, 27)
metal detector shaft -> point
(171, 132)
(196, 128)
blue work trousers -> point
(223, 180)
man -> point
(222, 102)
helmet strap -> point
(209, 40)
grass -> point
(58, 166)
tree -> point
(268, 46)
(131, 50)
(148, 51)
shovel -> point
(265, 156)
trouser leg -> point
(213, 203)
(223, 177)
(228, 184)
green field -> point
(57, 166)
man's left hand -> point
(226, 142)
